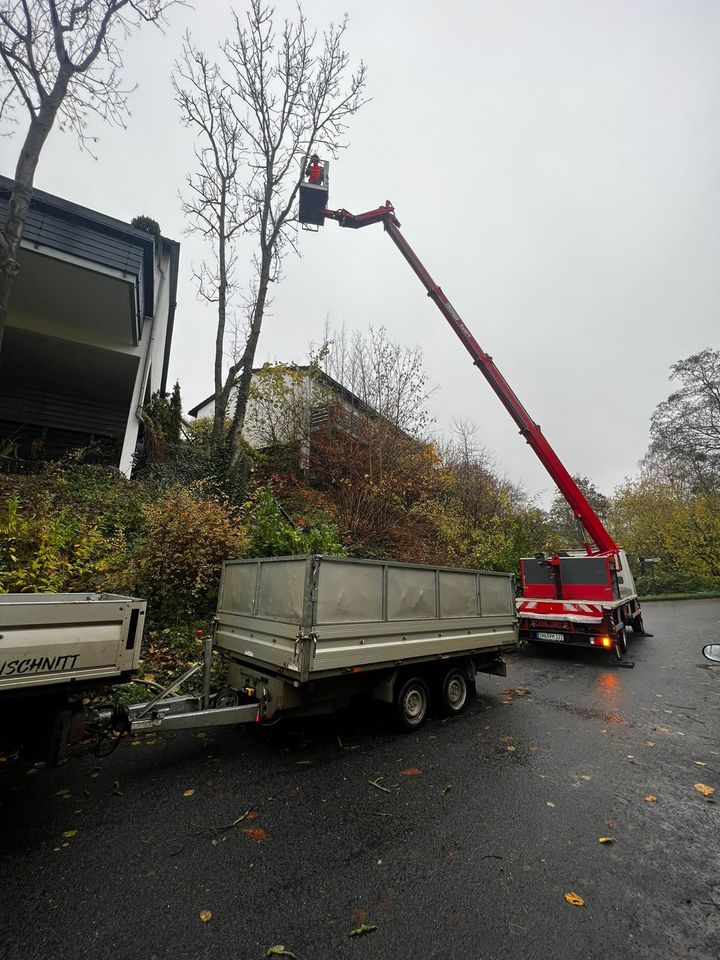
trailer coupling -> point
(169, 710)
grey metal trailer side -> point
(305, 635)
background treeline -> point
(349, 472)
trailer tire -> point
(454, 692)
(412, 702)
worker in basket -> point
(315, 171)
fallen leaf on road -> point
(188, 793)
(606, 840)
(511, 749)
(362, 929)
(446, 790)
(574, 899)
(585, 777)
(649, 743)
(411, 772)
(505, 739)
(359, 915)
(700, 763)
(255, 833)
(704, 790)
(73, 833)
(201, 736)
(278, 951)
(549, 803)
(205, 915)
(650, 798)
(135, 743)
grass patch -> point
(680, 596)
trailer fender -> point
(384, 689)
(496, 666)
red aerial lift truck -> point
(583, 597)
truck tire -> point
(412, 701)
(454, 692)
(621, 643)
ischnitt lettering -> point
(36, 665)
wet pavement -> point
(459, 841)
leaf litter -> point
(704, 789)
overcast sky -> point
(555, 163)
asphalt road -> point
(470, 857)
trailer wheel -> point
(454, 692)
(411, 703)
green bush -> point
(177, 565)
(661, 582)
(52, 550)
(272, 534)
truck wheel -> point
(411, 703)
(621, 643)
(454, 692)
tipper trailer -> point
(300, 635)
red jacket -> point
(315, 173)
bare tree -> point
(213, 202)
(62, 60)
(290, 92)
(685, 428)
(390, 382)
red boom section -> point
(528, 428)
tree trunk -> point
(221, 394)
(246, 364)
(12, 231)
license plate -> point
(555, 637)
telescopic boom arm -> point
(528, 428)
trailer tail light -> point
(605, 642)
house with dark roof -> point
(88, 335)
(316, 389)
(289, 416)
